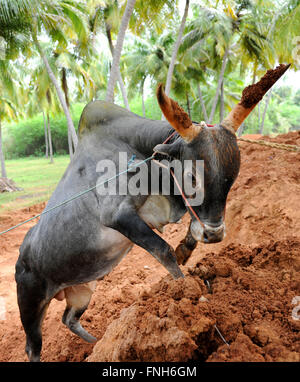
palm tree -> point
(285, 21)
(147, 58)
(67, 64)
(208, 34)
(176, 47)
(118, 49)
(44, 98)
(231, 38)
(3, 168)
(60, 19)
(8, 100)
(46, 136)
(286, 31)
(58, 15)
(106, 14)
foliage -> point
(73, 35)
(27, 136)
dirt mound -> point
(247, 278)
(249, 300)
(252, 136)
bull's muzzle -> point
(207, 233)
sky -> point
(292, 79)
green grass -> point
(38, 178)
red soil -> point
(139, 313)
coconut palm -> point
(51, 19)
(69, 65)
(60, 19)
(44, 99)
(118, 49)
(147, 58)
(284, 27)
(286, 31)
(8, 102)
(176, 47)
(232, 36)
(106, 15)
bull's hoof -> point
(182, 254)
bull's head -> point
(217, 147)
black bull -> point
(71, 247)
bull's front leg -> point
(185, 248)
(128, 222)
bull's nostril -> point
(205, 237)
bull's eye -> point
(190, 176)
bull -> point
(72, 247)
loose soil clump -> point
(249, 301)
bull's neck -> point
(146, 136)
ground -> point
(247, 288)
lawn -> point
(36, 176)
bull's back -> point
(99, 115)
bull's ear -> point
(176, 116)
(171, 150)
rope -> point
(282, 146)
(129, 167)
(262, 142)
(180, 189)
(215, 326)
(77, 195)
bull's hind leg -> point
(33, 303)
(78, 298)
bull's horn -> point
(176, 116)
(251, 95)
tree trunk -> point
(118, 50)
(222, 102)
(64, 85)
(240, 130)
(58, 90)
(120, 79)
(46, 136)
(123, 90)
(221, 78)
(265, 112)
(3, 169)
(188, 104)
(65, 88)
(70, 145)
(176, 47)
(254, 72)
(143, 100)
(50, 139)
(200, 96)
(175, 51)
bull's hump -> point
(99, 113)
